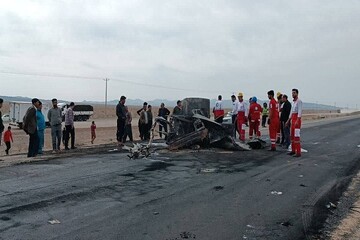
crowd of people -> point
(146, 119)
(282, 117)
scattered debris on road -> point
(54, 221)
(330, 205)
(287, 224)
(218, 188)
(209, 170)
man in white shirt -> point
(296, 113)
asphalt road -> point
(206, 194)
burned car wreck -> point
(194, 128)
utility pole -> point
(106, 88)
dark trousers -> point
(8, 146)
(0, 136)
(219, 120)
(233, 120)
(282, 129)
(69, 130)
(263, 120)
(161, 127)
(286, 134)
(33, 144)
(128, 133)
(120, 130)
(147, 128)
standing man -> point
(218, 110)
(55, 120)
(30, 127)
(284, 117)
(149, 124)
(164, 113)
(234, 113)
(296, 113)
(69, 127)
(273, 119)
(178, 108)
(40, 127)
(241, 117)
(279, 101)
(140, 123)
(128, 127)
(254, 118)
(121, 119)
(1, 121)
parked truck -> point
(18, 111)
(82, 112)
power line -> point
(113, 79)
(106, 89)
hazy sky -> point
(191, 48)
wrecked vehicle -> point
(194, 127)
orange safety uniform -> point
(241, 119)
(255, 111)
(296, 113)
(274, 122)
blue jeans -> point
(56, 132)
(286, 135)
(41, 140)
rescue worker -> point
(273, 119)
(254, 118)
(234, 113)
(241, 116)
(296, 113)
(279, 101)
(218, 110)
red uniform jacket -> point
(273, 108)
(255, 112)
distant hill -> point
(168, 103)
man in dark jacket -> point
(163, 112)
(142, 127)
(30, 127)
(285, 113)
(121, 119)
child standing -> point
(93, 133)
(8, 139)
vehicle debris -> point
(138, 151)
(54, 221)
(209, 170)
(218, 188)
(330, 205)
(195, 128)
